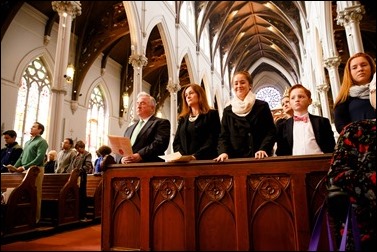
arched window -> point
(204, 40)
(271, 95)
(188, 16)
(33, 100)
(96, 127)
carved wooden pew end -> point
(18, 214)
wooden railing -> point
(240, 204)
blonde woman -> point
(50, 163)
(352, 103)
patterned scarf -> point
(242, 108)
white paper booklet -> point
(120, 145)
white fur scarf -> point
(242, 108)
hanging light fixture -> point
(70, 73)
(125, 98)
(71, 68)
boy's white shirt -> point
(304, 142)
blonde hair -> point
(347, 82)
(53, 153)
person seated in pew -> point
(83, 162)
(304, 133)
(104, 153)
(65, 156)
(51, 160)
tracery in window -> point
(96, 126)
(271, 95)
(188, 17)
(204, 40)
(33, 100)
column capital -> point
(138, 60)
(72, 8)
(59, 90)
(332, 62)
(323, 88)
(350, 14)
(173, 87)
(316, 104)
(74, 106)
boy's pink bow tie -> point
(301, 118)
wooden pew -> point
(238, 205)
(18, 215)
(94, 196)
(60, 198)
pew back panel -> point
(94, 195)
(60, 198)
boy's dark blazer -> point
(323, 133)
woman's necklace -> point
(192, 118)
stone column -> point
(138, 61)
(67, 11)
(349, 17)
(332, 64)
(322, 90)
(173, 89)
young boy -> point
(304, 133)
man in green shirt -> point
(33, 154)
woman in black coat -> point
(198, 125)
(247, 126)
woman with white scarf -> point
(247, 125)
(352, 103)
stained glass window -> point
(271, 95)
(33, 100)
(96, 127)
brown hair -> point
(104, 150)
(41, 127)
(347, 77)
(246, 74)
(79, 144)
(202, 97)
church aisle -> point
(83, 239)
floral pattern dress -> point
(353, 168)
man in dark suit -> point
(150, 136)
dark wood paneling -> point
(240, 204)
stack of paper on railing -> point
(177, 157)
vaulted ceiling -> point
(244, 31)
